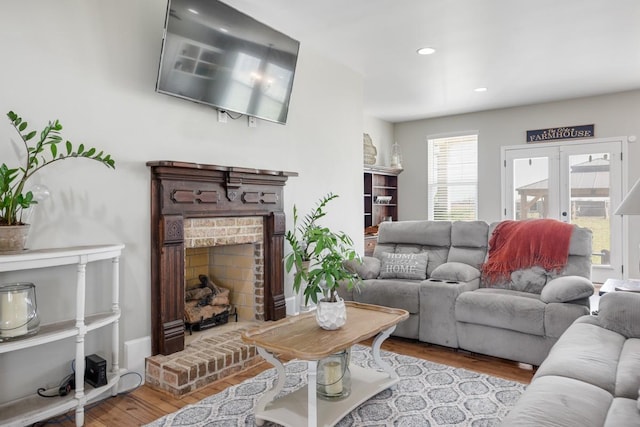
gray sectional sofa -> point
(519, 318)
(592, 374)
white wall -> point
(613, 115)
(92, 64)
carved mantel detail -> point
(182, 190)
(191, 196)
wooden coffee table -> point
(300, 337)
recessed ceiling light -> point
(480, 89)
(194, 11)
(426, 51)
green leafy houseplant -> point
(45, 151)
(318, 254)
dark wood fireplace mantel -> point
(181, 190)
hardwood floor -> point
(145, 404)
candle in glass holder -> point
(333, 377)
(14, 313)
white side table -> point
(612, 285)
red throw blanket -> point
(515, 245)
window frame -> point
(460, 180)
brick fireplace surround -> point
(189, 194)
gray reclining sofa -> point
(592, 374)
(519, 318)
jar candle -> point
(334, 378)
(18, 311)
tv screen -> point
(216, 55)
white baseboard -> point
(290, 304)
(135, 352)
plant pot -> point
(13, 238)
(331, 315)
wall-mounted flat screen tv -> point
(216, 55)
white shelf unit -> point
(31, 409)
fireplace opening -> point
(221, 284)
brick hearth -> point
(202, 362)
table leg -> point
(377, 342)
(312, 398)
(271, 394)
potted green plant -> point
(319, 254)
(15, 198)
(299, 238)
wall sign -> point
(567, 132)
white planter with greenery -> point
(15, 198)
(325, 251)
(331, 315)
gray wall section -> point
(613, 115)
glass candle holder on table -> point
(333, 381)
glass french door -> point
(579, 183)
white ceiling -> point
(523, 51)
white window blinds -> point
(453, 178)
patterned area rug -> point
(428, 394)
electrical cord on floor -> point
(140, 380)
(67, 417)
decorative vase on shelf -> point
(369, 150)
(396, 156)
(331, 315)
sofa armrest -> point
(566, 289)
(455, 272)
(368, 268)
(437, 310)
(620, 312)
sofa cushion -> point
(437, 254)
(557, 401)
(469, 242)
(580, 243)
(403, 266)
(622, 412)
(628, 373)
(368, 268)
(559, 316)
(587, 353)
(502, 308)
(394, 293)
(566, 288)
(455, 271)
(530, 280)
(472, 234)
(424, 233)
(620, 312)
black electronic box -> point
(95, 372)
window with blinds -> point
(453, 178)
